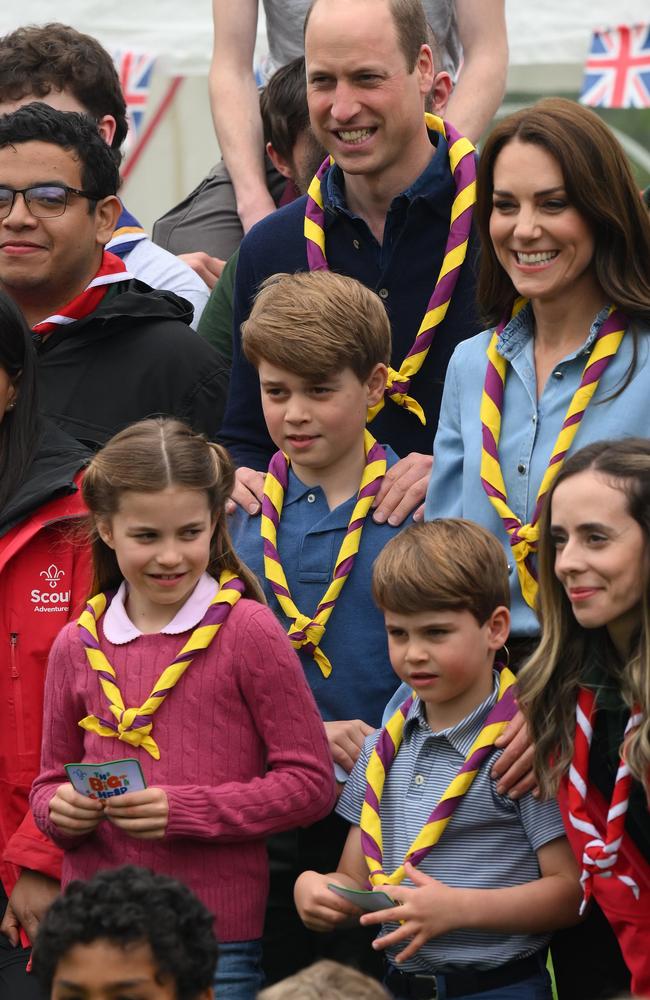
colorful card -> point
(366, 900)
(103, 781)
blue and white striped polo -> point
(490, 842)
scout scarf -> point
(463, 167)
(379, 765)
(306, 632)
(110, 271)
(600, 854)
(524, 537)
(134, 725)
(126, 234)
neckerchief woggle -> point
(380, 763)
(463, 168)
(304, 632)
(600, 855)
(111, 270)
(127, 233)
(134, 725)
(524, 537)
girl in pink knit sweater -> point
(177, 662)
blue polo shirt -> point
(529, 427)
(490, 842)
(402, 269)
(309, 539)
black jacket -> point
(136, 356)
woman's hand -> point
(513, 771)
(143, 815)
(29, 902)
(73, 813)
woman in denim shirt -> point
(565, 238)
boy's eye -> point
(321, 390)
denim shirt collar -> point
(519, 332)
(434, 180)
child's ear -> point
(376, 383)
(105, 531)
(498, 626)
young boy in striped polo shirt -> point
(486, 878)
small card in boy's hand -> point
(364, 899)
(103, 781)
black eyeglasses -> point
(44, 201)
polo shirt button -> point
(311, 497)
(419, 779)
(383, 293)
(558, 373)
(521, 469)
(356, 244)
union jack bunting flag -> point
(617, 71)
(134, 70)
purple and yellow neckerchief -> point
(379, 765)
(127, 233)
(305, 632)
(524, 537)
(134, 725)
(463, 167)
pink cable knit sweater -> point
(243, 754)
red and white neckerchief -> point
(600, 854)
(111, 269)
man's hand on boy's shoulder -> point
(248, 491)
(345, 739)
(403, 490)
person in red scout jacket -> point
(43, 577)
(586, 691)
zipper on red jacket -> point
(18, 693)
(13, 654)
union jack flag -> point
(134, 70)
(617, 71)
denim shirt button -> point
(521, 469)
(558, 373)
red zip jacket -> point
(44, 577)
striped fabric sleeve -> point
(541, 821)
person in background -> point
(296, 155)
(243, 188)
(44, 576)
(206, 693)
(110, 349)
(71, 71)
(127, 931)
(586, 690)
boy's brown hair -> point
(316, 323)
(445, 565)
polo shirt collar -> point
(519, 332)
(431, 184)
(119, 629)
(463, 734)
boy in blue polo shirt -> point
(321, 345)
(485, 878)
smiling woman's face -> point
(600, 554)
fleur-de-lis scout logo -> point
(52, 575)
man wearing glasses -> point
(111, 349)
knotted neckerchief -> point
(379, 765)
(463, 168)
(111, 270)
(134, 725)
(524, 537)
(306, 632)
(600, 854)
(126, 234)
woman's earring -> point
(505, 650)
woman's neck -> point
(562, 324)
